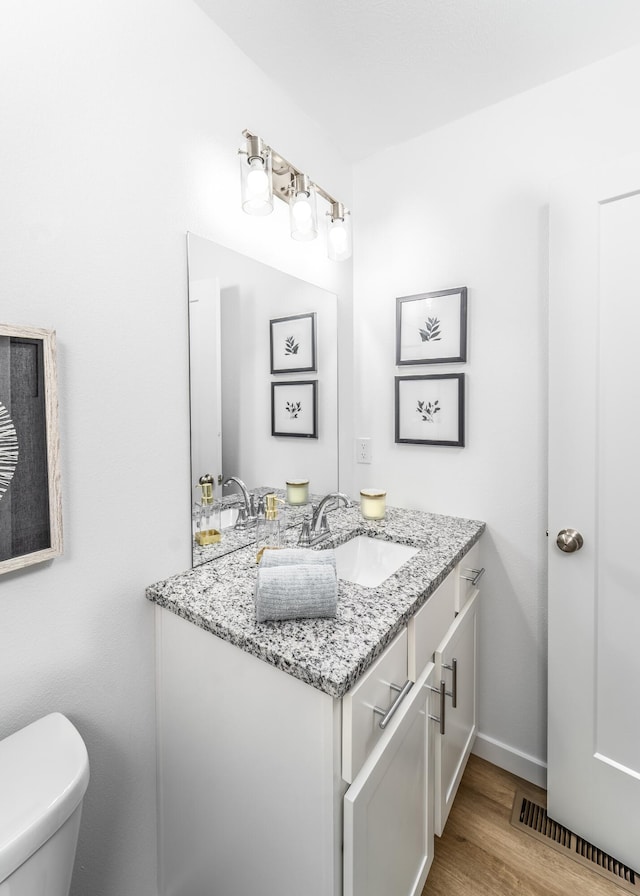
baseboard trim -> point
(512, 760)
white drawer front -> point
(360, 724)
(430, 624)
(468, 570)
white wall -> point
(120, 124)
(474, 214)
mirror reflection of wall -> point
(230, 372)
(204, 358)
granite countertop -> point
(328, 654)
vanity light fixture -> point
(303, 212)
(338, 232)
(265, 174)
(255, 178)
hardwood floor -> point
(482, 854)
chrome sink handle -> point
(304, 539)
(319, 523)
(242, 520)
(315, 527)
(249, 516)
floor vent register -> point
(531, 817)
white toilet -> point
(44, 772)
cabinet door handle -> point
(475, 578)
(388, 714)
(453, 668)
(440, 719)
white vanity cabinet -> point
(272, 786)
(388, 809)
(455, 660)
(444, 630)
(249, 785)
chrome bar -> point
(442, 691)
(454, 681)
(477, 575)
(388, 714)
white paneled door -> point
(594, 501)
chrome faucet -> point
(316, 528)
(247, 514)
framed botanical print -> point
(430, 409)
(30, 495)
(431, 328)
(293, 343)
(294, 409)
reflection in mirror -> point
(232, 301)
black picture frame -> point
(30, 492)
(431, 327)
(294, 409)
(429, 409)
(292, 343)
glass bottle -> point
(207, 513)
(269, 528)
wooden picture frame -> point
(294, 409)
(429, 409)
(30, 492)
(431, 328)
(293, 343)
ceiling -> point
(378, 72)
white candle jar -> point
(297, 491)
(373, 503)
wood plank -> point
(482, 854)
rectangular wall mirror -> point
(233, 304)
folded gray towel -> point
(302, 591)
(298, 557)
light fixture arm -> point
(338, 211)
(255, 148)
(283, 173)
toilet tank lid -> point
(44, 772)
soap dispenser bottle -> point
(207, 513)
(269, 528)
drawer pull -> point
(454, 681)
(442, 691)
(475, 578)
(387, 714)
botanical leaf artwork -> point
(291, 346)
(293, 409)
(8, 450)
(428, 410)
(431, 332)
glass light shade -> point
(303, 215)
(257, 190)
(339, 243)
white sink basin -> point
(369, 561)
(228, 517)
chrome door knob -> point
(569, 540)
